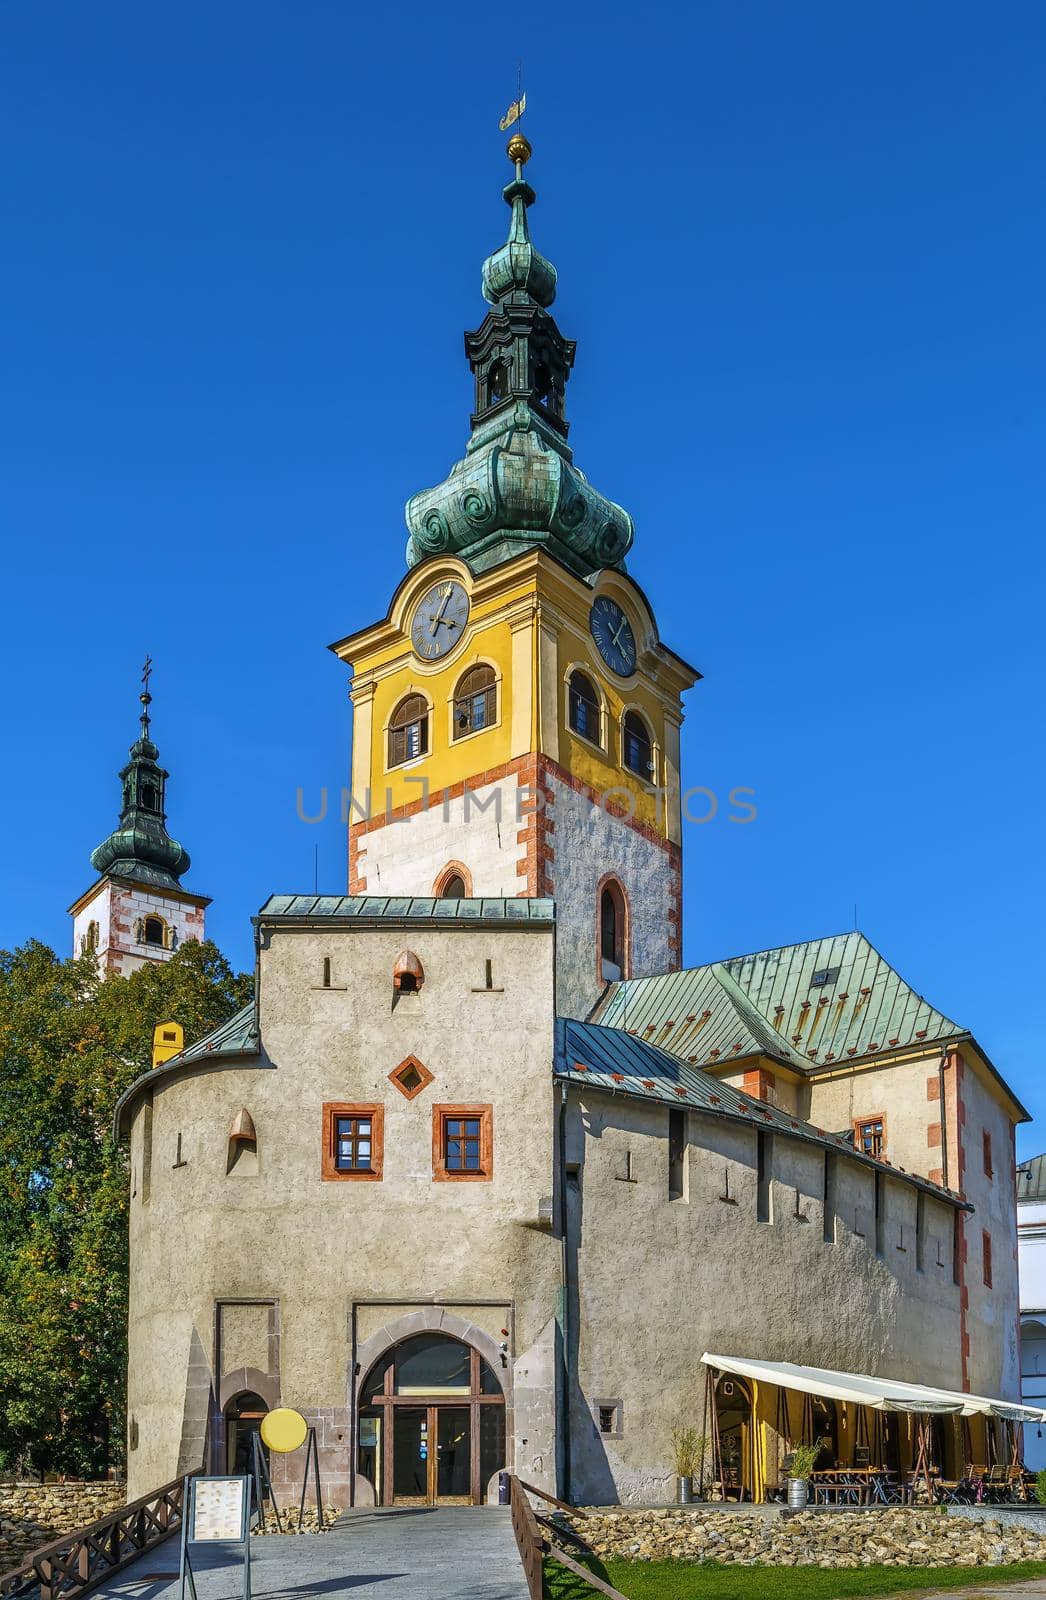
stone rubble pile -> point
(35, 1514)
(289, 1518)
(901, 1537)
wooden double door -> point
(431, 1451)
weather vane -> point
(519, 104)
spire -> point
(141, 848)
(517, 487)
(518, 272)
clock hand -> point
(438, 618)
(616, 640)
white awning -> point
(881, 1394)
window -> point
(149, 797)
(986, 1143)
(764, 1164)
(353, 1141)
(462, 1143)
(497, 382)
(153, 930)
(677, 1155)
(90, 939)
(453, 883)
(608, 1418)
(326, 972)
(612, 932)
(584, 712)
(409, 730)
(637, 749)
(830, 1201)
(880, 1216)
(825, 976)
(986, 1257)
(410, 1077)
(870, 1136)
(475, 702)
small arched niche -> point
(408, 974)
(242, 1158)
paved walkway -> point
(442, 1553)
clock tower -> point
(516, 716)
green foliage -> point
(688, 1450)
(69, 1045)
(1040, 1486)
(804, 1459)
(709, 1580)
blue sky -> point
(801, 248)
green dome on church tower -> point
(517, 487)
(140, 848)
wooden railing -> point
(535, 1544)
(78, 1561)
(529, 1538)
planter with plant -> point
(688, 1454)
(804, 1459)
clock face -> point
(439, 620)
(614, 638)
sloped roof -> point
(808, 1004)
(606, 1058)
(370, 907)
(1031, 1179)
(229, 1042)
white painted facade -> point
(111, 919)
(1031, 1251)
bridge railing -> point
(532, 1538)
(75, 1563)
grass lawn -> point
(684, 1580)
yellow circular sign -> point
(283, 1429)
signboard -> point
(219, 1507)
(216, 1510)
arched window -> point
(149, 797)
(454, 882)
(90, 942)
(497, 382)
(409, 730)
(153, 930)
(612, 931)
(637, 749)
(475, 701)
(584, 707)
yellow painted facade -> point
(529, 621)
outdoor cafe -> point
(882, 1442)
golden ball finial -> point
(519, 149)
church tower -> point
(137, 912)
(516, 716)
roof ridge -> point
(759, 1027)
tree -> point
(69, 1046)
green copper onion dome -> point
(517, 487)
(141, 848)
(518, 269)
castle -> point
(483, 1171)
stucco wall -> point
(320, 1250)
(657, 1281)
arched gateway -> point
(431, 1424)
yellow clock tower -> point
(516, 717)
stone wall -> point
(898, 1537)
(34, 1514)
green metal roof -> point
(229, 1043)
(404, 908)
(605, 1058)
(1031, 1179)
(808, 1005)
